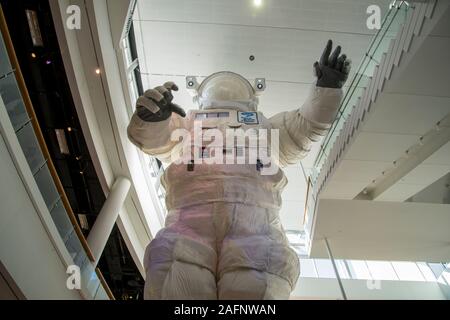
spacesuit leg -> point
(255, 260)
(180, 262)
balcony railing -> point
(394, 18)
(18, 128)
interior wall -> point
(27, 251)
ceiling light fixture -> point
(257, 3)
(97, 71)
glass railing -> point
(392, 22)
(22, 125)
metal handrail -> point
(356, 80)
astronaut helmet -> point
(226, 89)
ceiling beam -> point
(428, 144)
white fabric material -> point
(223, 238)
(300, 128)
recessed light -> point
(97, 71)
(257, 3)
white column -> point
(104, 223)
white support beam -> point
(107, 216)
(412, 159)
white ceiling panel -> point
(399, 192)
(359, 171)
(342, 189)
(280, 54)
(440, 157)
(325, 15)
(294, 191)
(399, 113)
(425, 174)
(291, 215)
(382, 147)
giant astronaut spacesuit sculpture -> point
(223, 238)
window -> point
(426, 271)
(446, 273)
(135, 89)
(381, 270)
(324, 268)
(342, 269)
(375, 270)
(308, 268)
(408, 271)
(358, 269)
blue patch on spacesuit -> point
(248, 117)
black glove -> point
(156, 104)
(332, 71)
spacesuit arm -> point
(298, 129)
(154, 121)
(154, 138)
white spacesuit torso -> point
(223, 167)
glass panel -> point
(90, 280)
(76, 250)
(5, 65)
(134, 95)
(127, 52)
(446, 274)
(379, 45)
(408, 271)
(307, 268)
(61, 220)
(358, 269)
(12, 98)
(426, 271)
(101, 294)
(437, 269)
(324, 268)
(47, 187)
(381, 270)
(30, 147)
(342, 269)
